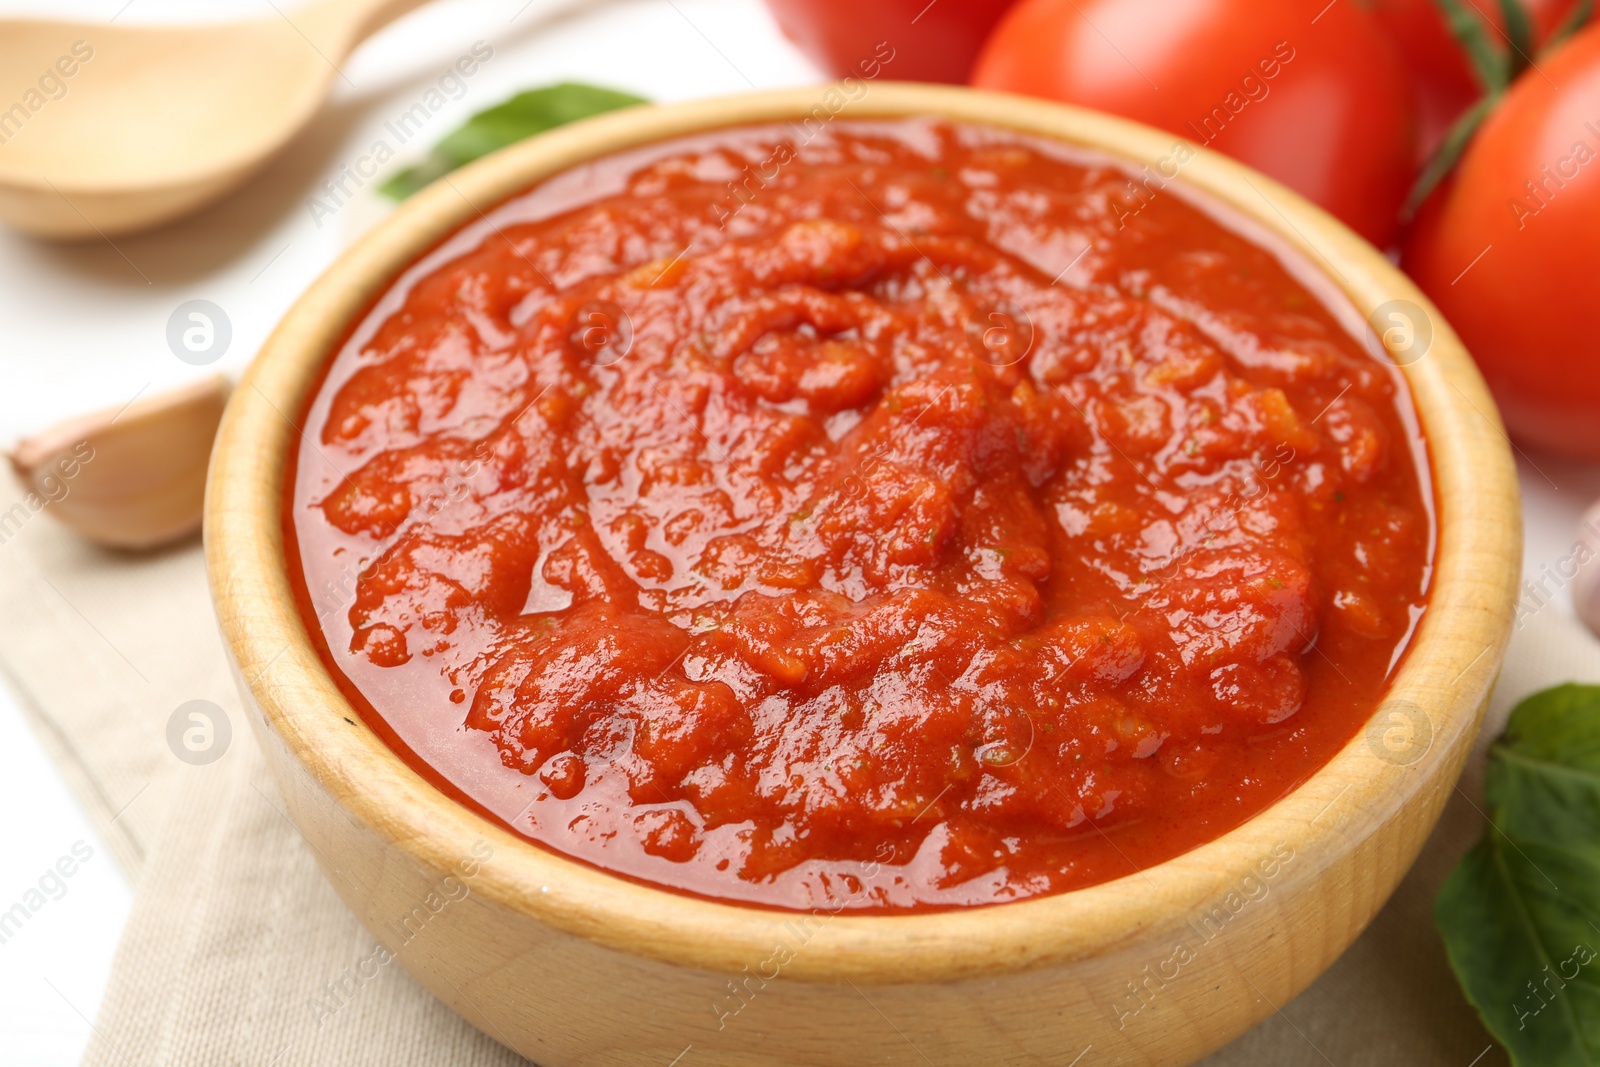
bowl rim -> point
(1447, 674)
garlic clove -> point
(1586, 586)
(129, 478)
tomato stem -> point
(1576, 18)
(1489, 61)
(1519, 32)
(1448, 154)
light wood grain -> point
(156, 121)
(571, 966)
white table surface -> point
(84, 325)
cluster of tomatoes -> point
(1464, 134)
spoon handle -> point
(337, 26)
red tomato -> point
(1440, 70)
(1510, 251)
(933, 42)
(1314, 96)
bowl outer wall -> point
(1376, 804)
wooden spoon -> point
(108, 129)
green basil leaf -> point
(1520, 915)
(524, 115)
(1548, 764)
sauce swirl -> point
(930, 530)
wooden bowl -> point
(570, 965)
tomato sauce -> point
(877, 516)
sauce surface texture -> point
(881, 516)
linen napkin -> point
(238, 951)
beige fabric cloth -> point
(237, 950)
